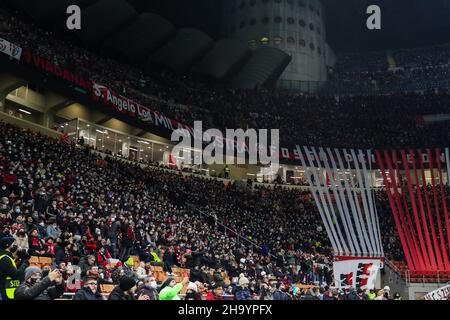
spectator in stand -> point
(266, 291)
(242, 291)
(144, 198)
(128, 268)
(86, 264)
(149, 288)
(128, 238)
(36, 288)
(192, 292)
(89, 291)
(125, 290)
(103, 256)
(397, 296)
(21, 240)
(216, 292)
(36, 245)
(353, 295)
(53, 230)
(281, 292)
(329, 295)
(141, 272)
(169, 289)
(386, 293)
(380, 295)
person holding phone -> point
(35, 288)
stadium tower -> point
(295, 26)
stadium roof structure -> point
(224, 59)
(142, 38)
(265, 65)
(405, 23)
(46, 13)
(192, 42)
(103, 19)
(118, 30)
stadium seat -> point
(107, 288)
(45, 261)
(34, 261)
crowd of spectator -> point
(412, 69)
(66, 203)
(63, 202)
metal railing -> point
(393, 267)
(438, 278)
(238, 236)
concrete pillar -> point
(48, 119)
(2, 103)
(8, 83)
(53, 104)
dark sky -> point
(405, 23)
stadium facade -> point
(295, 26)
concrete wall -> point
(236, 172)
(416, 291)
(29, 125)
(28, 98)
(77, 110)
(12, 108)
(244, 19)
(394, 281)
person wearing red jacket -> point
(50, 247)
(10, 178)
(65, 138)
(103, 256)
(216, 293)
(91, 245)
(35, 245)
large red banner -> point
(419, 207)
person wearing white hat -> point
(192, 292)
(242, 291)
(387, 291)
(192, 286)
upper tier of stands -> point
(348, 121)
(393, 71)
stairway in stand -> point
(391, 61)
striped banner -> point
(345, 202)
(419, 206)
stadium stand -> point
(362, 121)
(62, 207)
(59, 222)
